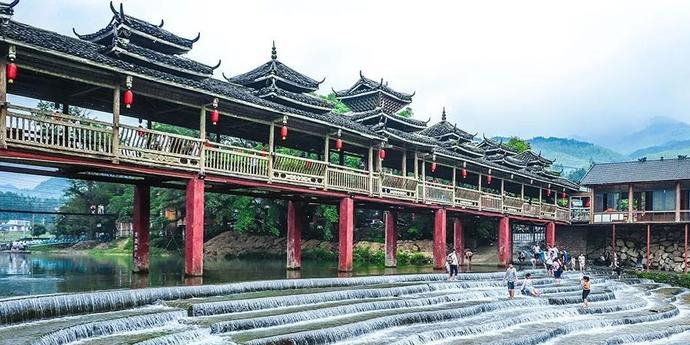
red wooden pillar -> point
(685, 255)
(295, 217)
(550, 234)
(141, 220)
(440, 239)
(504, 242)
(194, 228)
(459, 239)
(649, 239)
(391, 238)
(346, 234)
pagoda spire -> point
(443, 114)
(274, 52)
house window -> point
(664, 200)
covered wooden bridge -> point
(262, 133)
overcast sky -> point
(526, 68)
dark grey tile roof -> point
(414, 137)
(158, 32)
(297, 97)
(172, 61)
(277, 68)
(530, 157)
(444, 128)
(357, 116)
(373, 85)
(76, 48)
(638, 171)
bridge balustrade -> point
(349, 179)
(50, 131)
(491, 202)
(531, 210)
(438, 193)
(469, 198)
(236, 161)
(400, 187)
(512, 205)
(150, 147)
(298, 170)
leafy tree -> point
(407, 112)
(517, 144)
(577, 175)
(339, 107)
(38, 230)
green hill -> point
(670, 149)
(573, 154)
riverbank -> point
(672, 278)
(121, 247)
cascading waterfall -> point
(394, 310)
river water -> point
(400, 309)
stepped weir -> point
(400, 310)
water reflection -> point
(41, 273)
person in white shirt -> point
(581, 260)
(452, 262)
(511, 277)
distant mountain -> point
(571, 154)
(659, 131)
(670, 149)
(52, 188)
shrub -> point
(319, 254)
(677, 279)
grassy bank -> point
(676, 279)
(359, 256)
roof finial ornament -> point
(217, 65)
(274, 52)
(195, 39)
(443, 114)
(162, 23)
(76, 34)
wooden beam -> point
(116, 124)
(678, 201)
(85, 91)
(630, 203)
(3, 101)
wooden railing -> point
(47, 131)
(654, 216)
(531, 210)
(348, 179)
(232, 160)
(491, 202)
(151, 147)
(610, 217)
(55, 132)
(439, 193)
(579, 215)
(398, 186)
(512, 205)
(298, 170)
(467, 197)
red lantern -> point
(548, 192)
(128, 98)
(283, 132)
(11, 72)
(382, 154)
(464, 173)
(338, 144)
(563, 195)
(215, 116)
(488, 179)
(433, 166)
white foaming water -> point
(408, 310)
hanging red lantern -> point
(464, 173)
(488, 179)
(11, 72)
(283, 132)
(338, 144)
(128, 98)
(548, 192)
(563, 195)
(382, 154)
(433, 166)
(215, 116)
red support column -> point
(613, 240)
(649, 239)
(685, 255)
(141, 220)
(194, 228)
(295, 217)
(391, 238)
(440, 239)
(550, 234)
(346, 234)
(459, 239)
(504, 242)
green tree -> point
(407, 112)
(577, 175)
(38, 230)
(339, 107)
(517, 144)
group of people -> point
(554, 259)
(453, 262)
(528, 289)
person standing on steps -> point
(511, 277)
(468, 256)
(581, 260)
(586, 288)
(452, 261)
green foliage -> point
(407, 112)
(576, 175)
(339, 107)
(73, 111)
(326, 220)
(412, 258)
(574, 154)
(175, 130)
(517, 144)
(19, 202)
(38, 230)
(677, 279)
(364, 255)
(81, 195)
